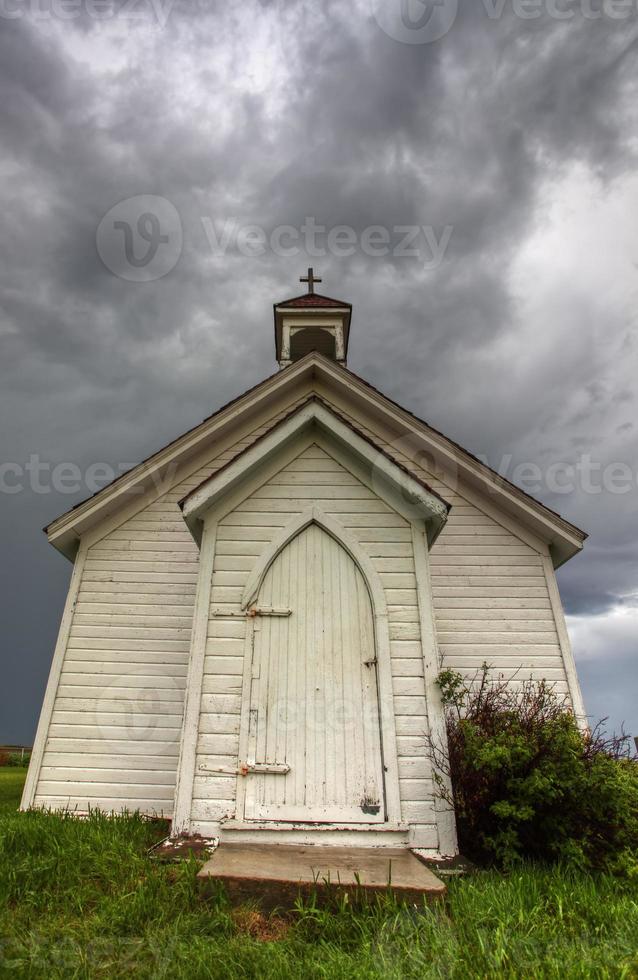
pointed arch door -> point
(314, 738)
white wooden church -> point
(258, 612)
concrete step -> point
(275, 875)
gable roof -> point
(563, 538)
(412, 496)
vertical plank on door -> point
(315, 700)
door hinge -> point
(370, 663)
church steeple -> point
(311, 322)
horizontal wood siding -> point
(490, 593)
(241, 538)
(491, 602)
(113, 740)
(114, 736)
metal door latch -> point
(271, 768)
(230, 612)
(250, 768)
(267, 611)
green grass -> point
(11, 783)
(82, 899)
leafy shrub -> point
(527, 782)
(17, 759)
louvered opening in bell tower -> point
(305, 339)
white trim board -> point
(187, 759)
(445, 819)
(42, 734)
(410, 498)
(573, 684)
(183, 822)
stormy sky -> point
(473, 168)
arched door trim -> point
(315, 515)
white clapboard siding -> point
(386, 537)
(81, 803)
(128, 646)
(482, 571)
(121, 691)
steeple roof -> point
(312, 301)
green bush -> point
(527, 782)
(18, 759)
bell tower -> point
(311, 322)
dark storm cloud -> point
(266, 114)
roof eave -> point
(66, 542)
(65, 531)
(563, 539)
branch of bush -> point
(527, 782)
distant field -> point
(82, 899)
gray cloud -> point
(266, 114)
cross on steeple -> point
(311, 279)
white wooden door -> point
(313, 691)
